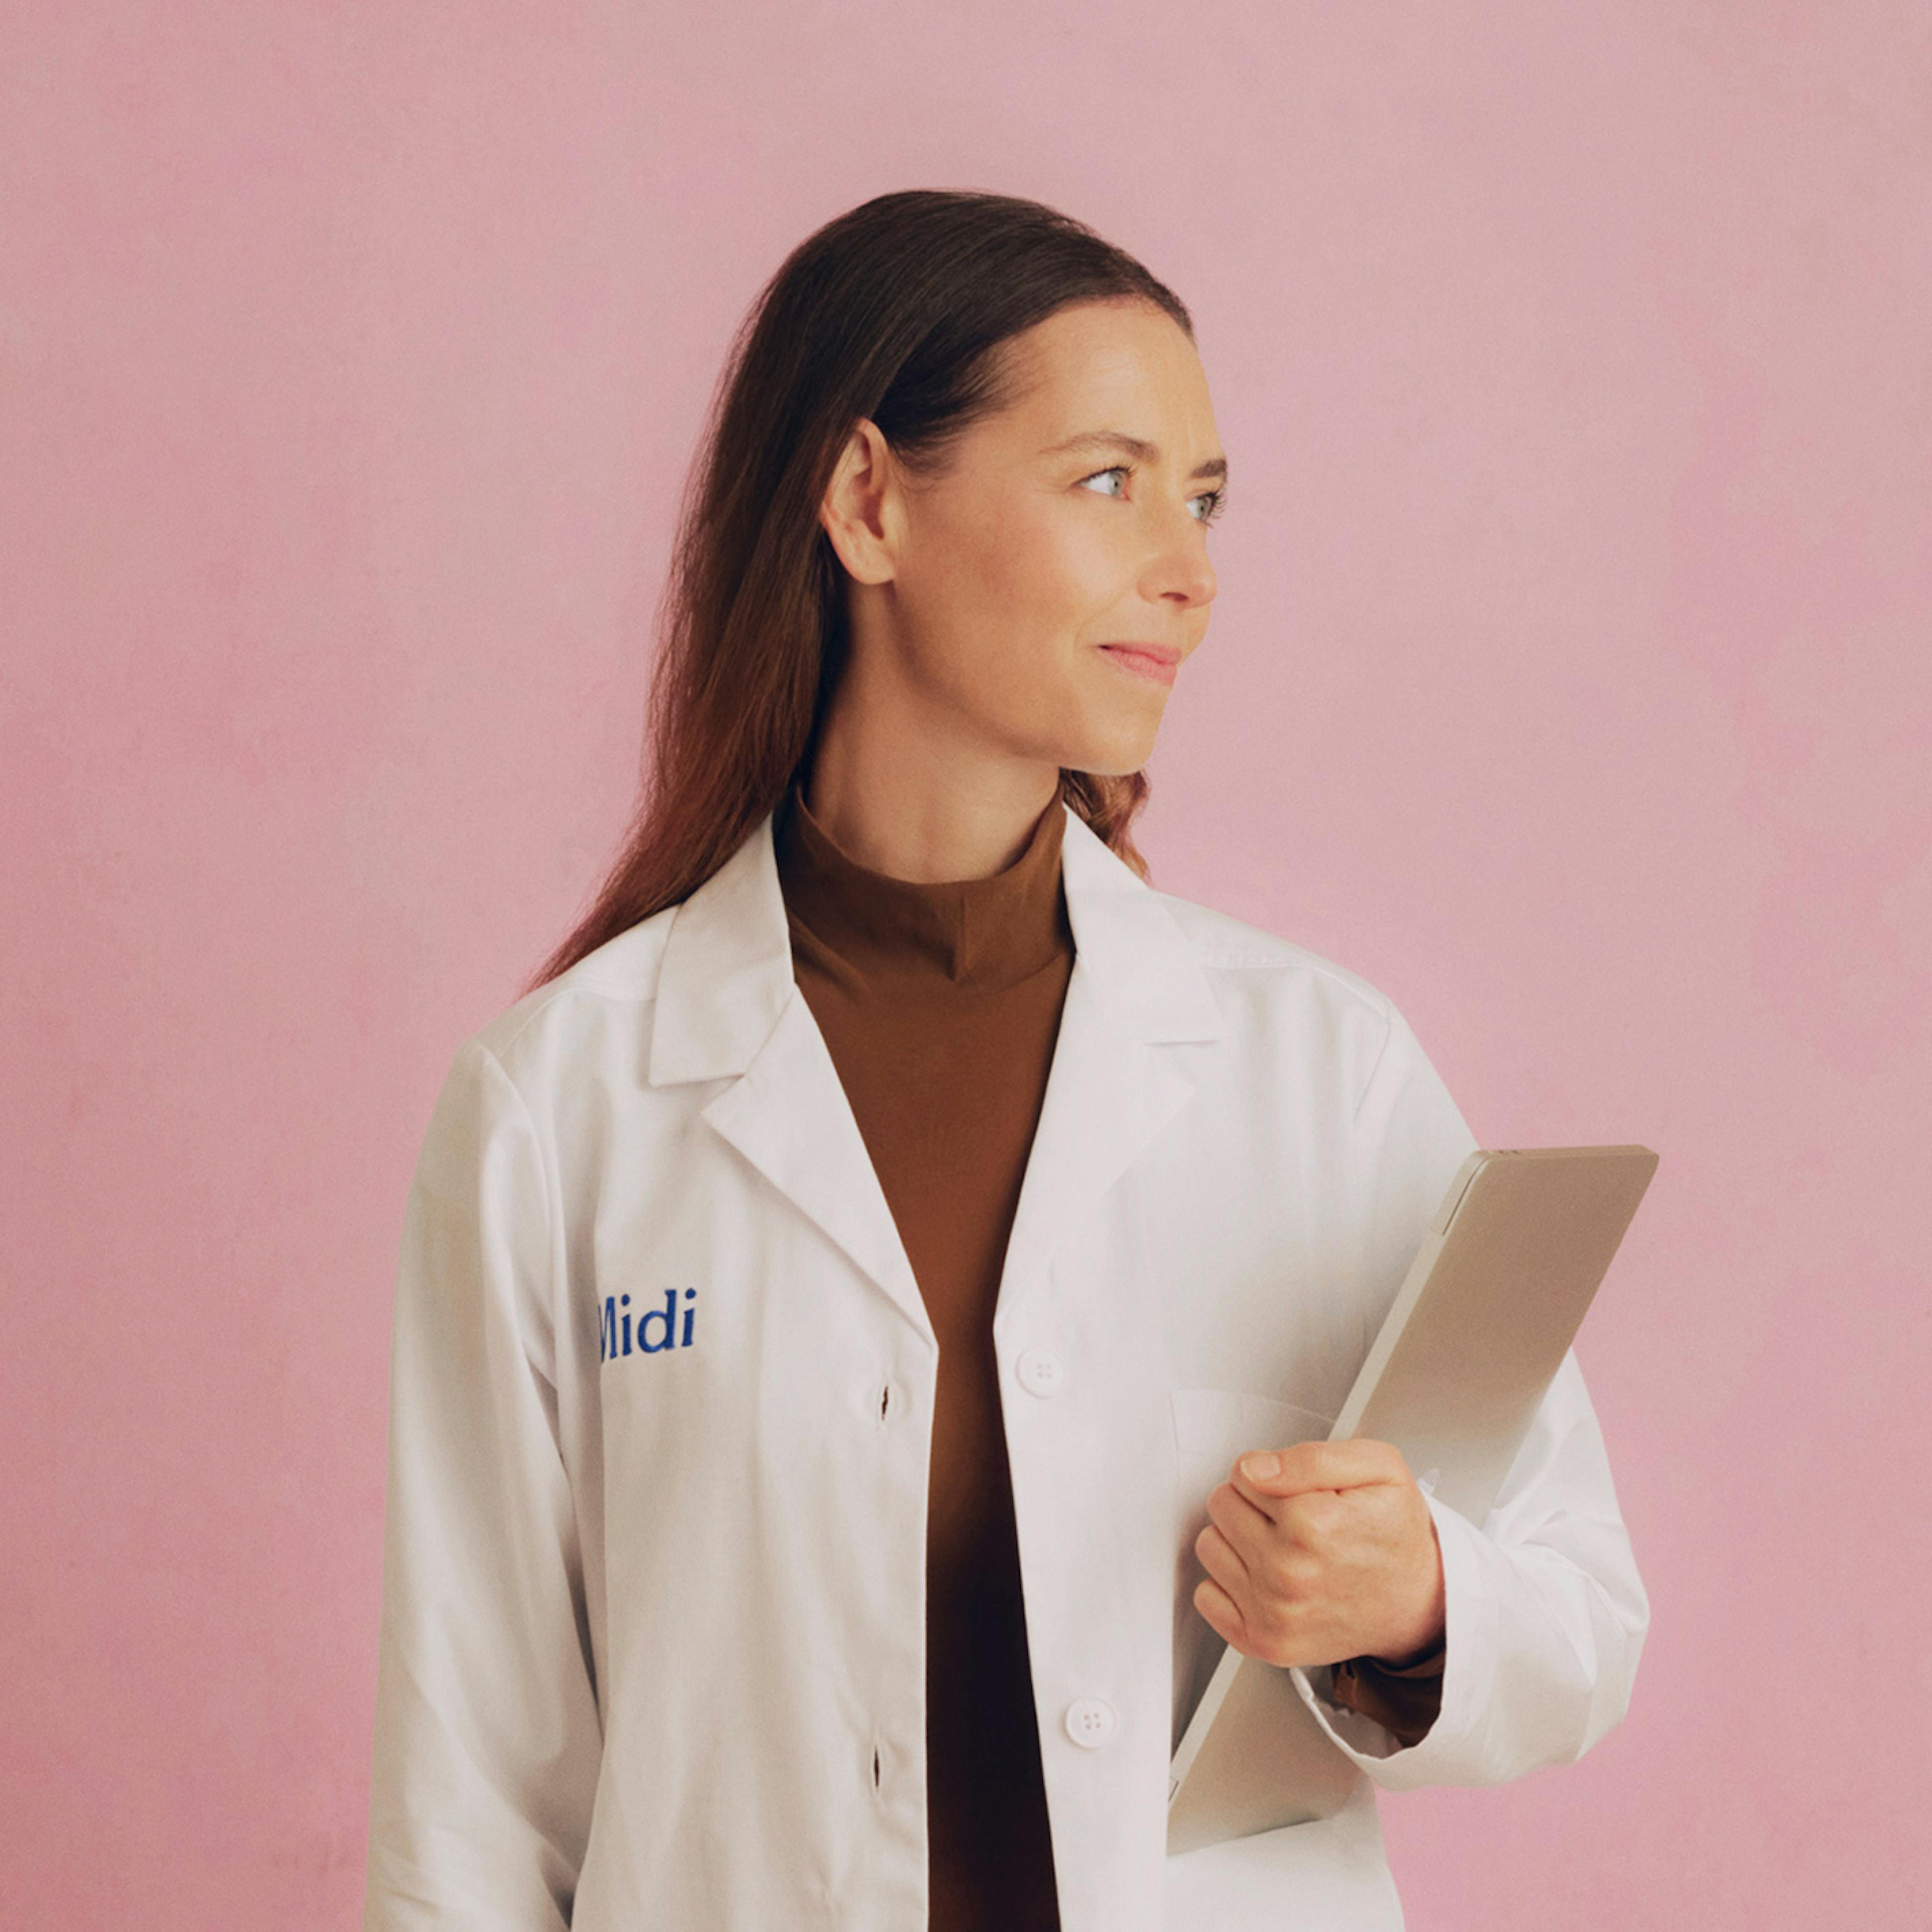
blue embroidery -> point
(613, 1336)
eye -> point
(1214, 501)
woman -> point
(833, 1296)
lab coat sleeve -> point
(487, 1738)
(1545, 1614)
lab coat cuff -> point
(1470, 1617)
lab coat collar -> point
(727, 1005)
(726, 975)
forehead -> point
(1125, 366)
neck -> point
(929, 801)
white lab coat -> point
(652, 1651)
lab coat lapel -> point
(728, 1005)
(1136, 991)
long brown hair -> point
(892, 311)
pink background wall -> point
(1569, 679)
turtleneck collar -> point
(985, 934)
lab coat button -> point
(1090, 1722)
(1040, 1373)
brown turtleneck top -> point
(940, 1005)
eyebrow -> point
(1136, 447)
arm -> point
(1540, 1609)
(488, 1736)
(1545, 1618)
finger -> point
(1312, 1520)
(1223, 1614)
(1264, 1475)
(1289, 1562)
(1222, 1561)
(1243, 1522)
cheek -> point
(1047, 589)
(1002, 623)
(1021, 585)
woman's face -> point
(1044, 588)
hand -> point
(1320, 1551)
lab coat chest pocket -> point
(1212, 1428)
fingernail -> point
(1259, 1468)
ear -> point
(862, 509)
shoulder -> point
(1249, 957)
(1295, 1024)
(1308, 1019)
(596, 1011)
(1277, 1000)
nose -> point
(1179, 572)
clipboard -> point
(1489, 1308)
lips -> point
(1155, 662)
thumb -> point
(1339, 1464)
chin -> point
(1087, 731)
(1126, 741)
(1112, 755)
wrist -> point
(1425, 1638)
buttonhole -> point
(885, 1400)
(875, 1767)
